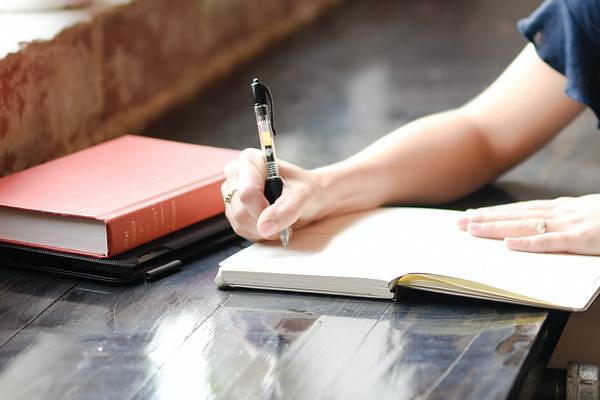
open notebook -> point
(368, 254)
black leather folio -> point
(147, 262)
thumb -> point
(280, 215)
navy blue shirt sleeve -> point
(566, 35)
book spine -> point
(160, 218)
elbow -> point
(488, 146)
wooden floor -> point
(339, 84)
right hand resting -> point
(249, 212)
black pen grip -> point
(273, 189)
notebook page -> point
(391, 242)
(335, 247)
(555, 279)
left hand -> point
(563, 225)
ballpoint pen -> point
(263, 108)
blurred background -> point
(343, 73)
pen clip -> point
(262, 95)
(270, 107)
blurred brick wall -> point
(127, 65)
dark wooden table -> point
(339, 84)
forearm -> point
(447, 155)
(431, 160)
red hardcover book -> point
(114, 196)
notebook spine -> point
(139, 226)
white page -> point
(391, 242)
(338, 246)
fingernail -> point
(268, 228)
(474, 227)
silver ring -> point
(229, 196)
(541, 227)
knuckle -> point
(238, 214)
(525, 243)
(520, 224)
(584, 236)
(489, 227)
(245, 233)
(248, 194)
(533, 244)
(554, 213)
(571, 239)
(576, 218)
(248, 234)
